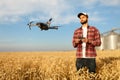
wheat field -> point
(57, 66)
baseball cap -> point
(82, 13)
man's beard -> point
(84, 22)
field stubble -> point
(56, 66)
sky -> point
(15, 14)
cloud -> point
(61, 10)
(95, 17)
(110, 2)
(12, 10)
(88, 3)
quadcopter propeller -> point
(50, 19)
(29, 24)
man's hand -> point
(86, 40)
(77, 41)
(82, 40)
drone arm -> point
(49, 22)
(53, 27)
(33, 25)
(30, 25)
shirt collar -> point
(87, 27)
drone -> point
(42, 26)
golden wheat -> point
(56, 66)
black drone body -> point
(43, 26)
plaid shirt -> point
(93, 35)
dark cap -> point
(82, 14)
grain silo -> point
(112, 40)
(102, 46)
(118, 42)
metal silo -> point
(119, 42)
(112, 40)
(102, 46)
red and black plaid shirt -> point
(93, 35)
